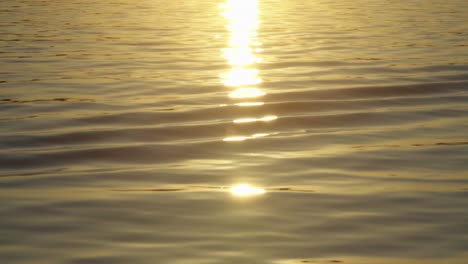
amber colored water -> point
(233, 131)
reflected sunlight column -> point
(241, 55)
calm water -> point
(126, 125)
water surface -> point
(126, 128)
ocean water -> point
(234, 131)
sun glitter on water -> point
(244, 190)
(243, 23)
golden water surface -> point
(234, 131)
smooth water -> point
(126, 125)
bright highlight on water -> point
(246, 190)
(250, 104)
(243, 138)
(250, 120)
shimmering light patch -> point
(239, 56)
(241, 77)
(246, 190)
(241, 40)
(268, 118)
(247, 104)
(243, 23)
(245, 120)
(247, 93)
(237, 138)
(260, 135)
(243, 138)
(257, 43)
(241, 13)
(249, 120)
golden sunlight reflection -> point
(246, 190)
(247, 104)
(243, 23)
(236, 138)
(240, 56)
(243, 138)
(249, 120)
(259, 135)
(240, 77)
